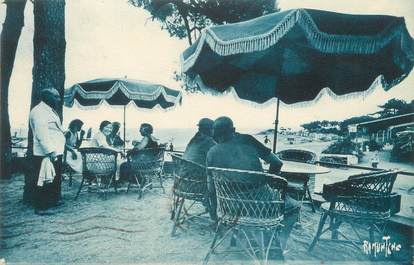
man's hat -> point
(205, 122)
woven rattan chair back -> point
(364, 196)
(146, 165)
(190, 179)
(250, 205)
(98, 164)
(190, 186)
(98, 161)
(242, 199)
(375, 184)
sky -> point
(110, 38)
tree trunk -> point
(182, 10)
(12, 28)
(49, 48)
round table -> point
(304, 168)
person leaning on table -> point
(48, 142)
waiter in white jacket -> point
(48, 141)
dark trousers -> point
(124, 172)
(49, 194)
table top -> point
(304, 168)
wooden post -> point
(276, 127)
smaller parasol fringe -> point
(69, 97)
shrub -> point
(344, 147)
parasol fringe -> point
(102, 102)
(69, 97)
(327, 43)
(326, 92)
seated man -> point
(201, 142)
(196, 151)
(242, 151)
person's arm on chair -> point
(265, 154)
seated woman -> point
(148, 141)
(101, 138)
(73, 142)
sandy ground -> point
(125, 230)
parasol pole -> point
(276, 125)
(124, 127)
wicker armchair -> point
(146, 165)
(298, 187)
(190, 184)
(247, 209)
(364, 199)
(99, 167)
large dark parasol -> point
(296, 54)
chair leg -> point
(279, 244)
(161, 182)
(115, 183)
(140, 193)
(335, 223)
(80, 188)
(214, 244)
(372, 256)
(249, 250)
(129, 185)
(310, 199)
(70, 178)
(177, 216)
(174, 206)
(274, 231)
(319, 231)
(233, 238)
(106, 188)
(262, 247)
(371, 234)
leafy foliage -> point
(354, 120)
(322, 127)
(390, 108)
(186, 18)
(344, 146)
(395, 107)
